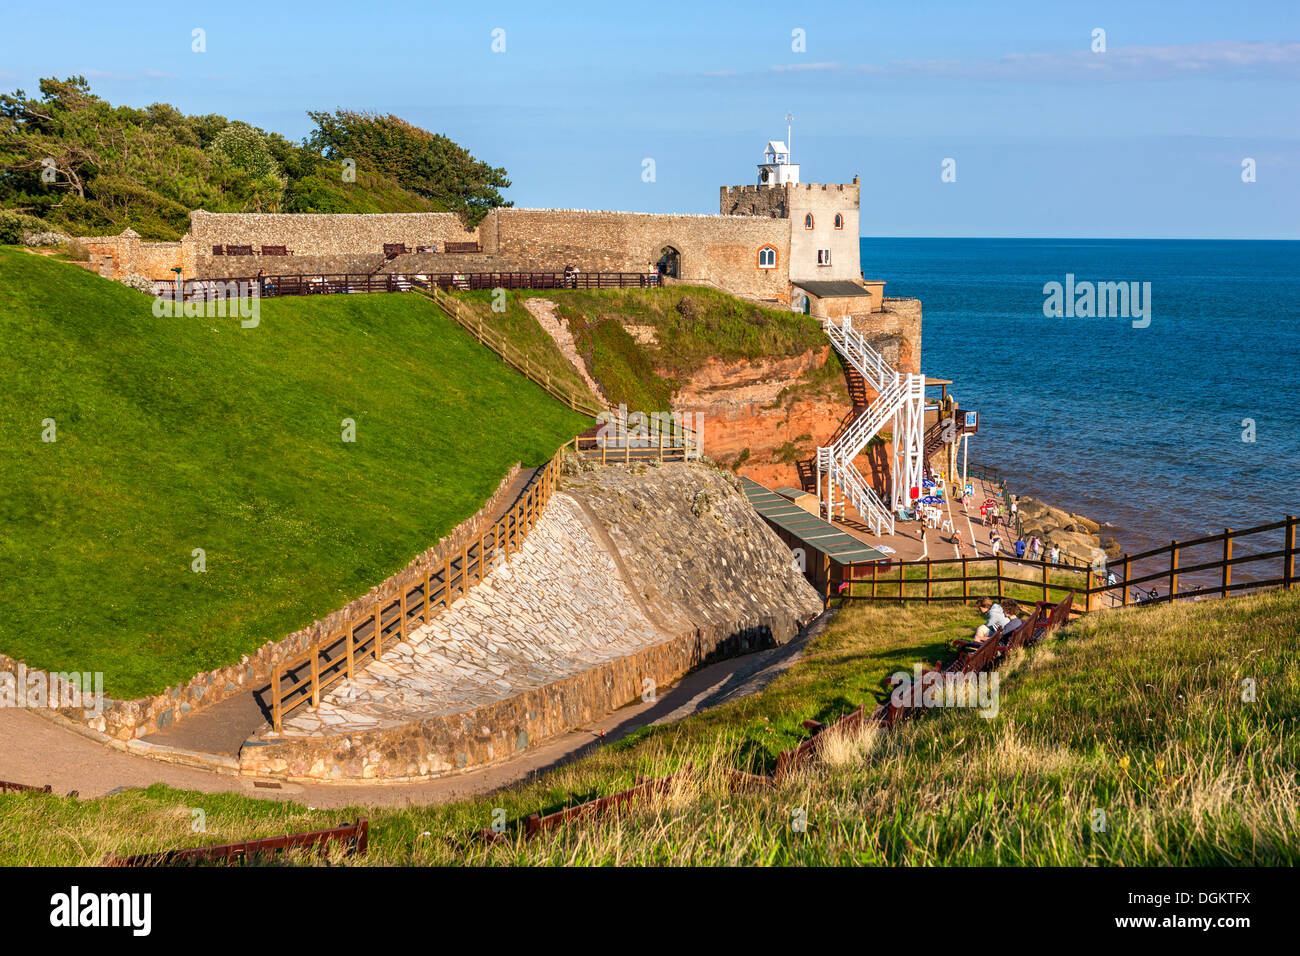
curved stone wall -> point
(632, 575)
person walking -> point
(1020, 547)
(1055, 554)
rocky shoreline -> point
(1078, 537)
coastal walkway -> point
(38, 751)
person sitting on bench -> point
(1011, 609)
(996, 618)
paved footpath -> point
(38, 751)
(907, 545)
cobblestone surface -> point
(633, 577)
(558, 608)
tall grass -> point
(1125, 741)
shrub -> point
(40, 239)
(76, 251)
(138, 282)
(14, 225)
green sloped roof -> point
(813, 531)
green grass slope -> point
(1138, 714)
(182, 433)
(691, 325)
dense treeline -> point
(87, 167)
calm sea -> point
(1141, 428)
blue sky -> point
(1050, 138)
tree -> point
(428, 164)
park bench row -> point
(972, 657)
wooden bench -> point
(394, 249)
(275, 250)
(791, 758)
(239, 250)
(1059, 616)
(452, 248)
(218, 250)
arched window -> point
(839, 221)
(808, 221)
(767, 257)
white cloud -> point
(1120, 63)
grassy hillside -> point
(690, 326)
(1136, 713)
(177, 434)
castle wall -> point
(793, 202)
(824, 201)
(342, 235)
(722, 250)
(116, 257)
(771, 202)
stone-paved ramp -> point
(559, 608)
(224, 727)
(38, 751)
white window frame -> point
(823, 257)
(771, 252)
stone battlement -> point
(737, 191)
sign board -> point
(970, 422)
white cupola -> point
(776, 169)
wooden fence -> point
(959, 579)
(271, 286)
(305, 678)
(498, 342)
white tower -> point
(777, 170)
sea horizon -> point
(1167, 431)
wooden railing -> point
(272, 286)
(544, 280)
(391, 619)
(680, 444)
(499, 342)
(959, 579)
(338, 657)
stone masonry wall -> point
(896, 333)
(632, 573)
(722, 250)
(793, 202)
(823, 201)
(324, 234)
(119, 256)
(730, 576)
(339, 264)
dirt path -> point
(543, 311)
(38, 751)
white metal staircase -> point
(900, 404)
